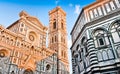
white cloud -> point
(71, 5)
(77, 9)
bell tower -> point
(58, 38)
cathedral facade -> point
(96, 39)
(23, 48)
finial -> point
(23, 13)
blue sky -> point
(9, 11)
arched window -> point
(82, 53)
(115, 31)
(52, 40)
(99, 55)
(84, 45)
(100, 37)
(54, 24)
(55, 38)
(79, 54)
(62, 26)
(78, 50)
(110, 54)
(105, 56)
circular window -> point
(2, 54)
(28, 72)
(31, 37)
(48, 67)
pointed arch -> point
(99, 55)
(113, 23)
(110, 54)
(100, 37)
(54, 24)
(114, 29)
(97, 29)
(84, 44)
(105, 55)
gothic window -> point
(52, 40)
(110, 54)
(22, 25)
(101, 41)
(84, 45)
(115, 31)
(78, 51)
(79, 54)
(62, 25)
(64, 40)
(54, 24)
(100, 38)
(55, 38)
(105, 56)
(99, 55)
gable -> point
(35, 21)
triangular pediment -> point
(31, 19)
(35, 21)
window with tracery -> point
(54, 24)
(100, 37)
(115, 31)
(84, 45)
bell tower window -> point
(52, 40)
(54, 24)
(55, 38)
(62, 25)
